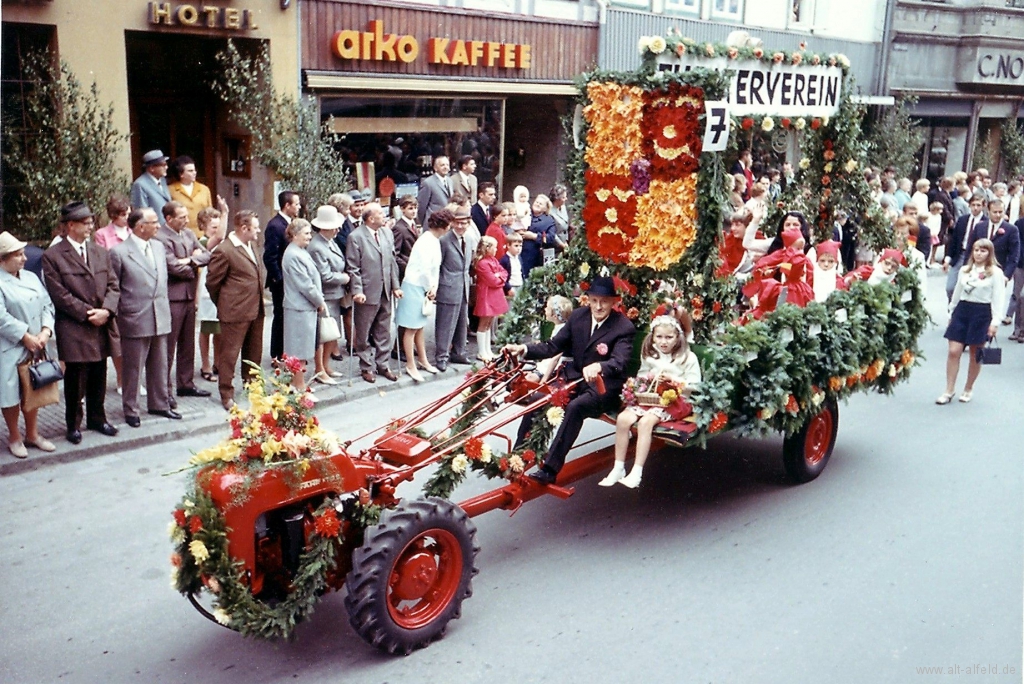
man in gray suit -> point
(435, 191)
(373, 279)
(143, 316)
(184, 257)
(452, 319)
(150, 188)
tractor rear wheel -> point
(806, 453)
(411, 574)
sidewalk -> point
(198, 414)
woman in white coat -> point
(26, 324)
(303, 298)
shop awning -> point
(321, 80)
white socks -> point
(633, 479)
(483, 345)
(618, 472)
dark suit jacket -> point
(371, 266)
(847, 240)
(434, 194)
(405, 237)
(233, 281)
(453, 279)
(341, 239)
(273, 249)
(1020, 229)
(143, 309)
(479, 216)
(614, 337)
(181, 278)
(955, 241)
(1006, 244)
(74, 289)
(924, 238)
(533, 250)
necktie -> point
(462, 246)
(148, 253)
(85, 257)
(991, 229)
(376, 236)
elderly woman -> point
(303, 298)
(330, 262)
(422, 275)
(26, 323)
(560, 213)
(539, 235)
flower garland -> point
(650, 47)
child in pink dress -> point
(490, 294)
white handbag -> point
(428, 307)
(329, 331)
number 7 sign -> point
(716, 127)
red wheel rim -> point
(424, 578)
(819, 437)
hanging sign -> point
(770, 89)
(716, 126)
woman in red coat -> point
(490, 294)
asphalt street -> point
(905, 554)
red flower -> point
(559, 278)
(785, 122)
(584, 286)
(560, 397)
(268, 420)
(254, 450)
(195, 524)
(623, 286)
(601, 349)
(632, 313)
(716, 307)
(718, 422)
(292, 364)
(791, 404)
(474, 448)
(529, 456)
(697, 302)
(176, 560)
(672, 134)
(828, 144)
(179, 516)
(815, 124)
(825, 180)
(327, 525)
(747, 124)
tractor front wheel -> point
(411, 574)
(806, 453)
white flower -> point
(485, 453)
(584, 269)
(605, 272)
(805, 163)
(515, 463)
(892, 371)
(466, 394)
(698, 280)
(198, 550)
(555, 414)
(824, 121)
(844, 60)
(644, 44)
(188, 503)
(460, 463)
(817, 399)
(800, 124)
(222, 616)
(174, 578)
(828, 167)
(657, 45)
(851, 165)
(767, 124)
(176, 532)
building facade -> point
(153, 62)
(405, 82)
(964, 61)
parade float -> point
(281, 511)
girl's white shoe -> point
(618, 472)
(632, 480)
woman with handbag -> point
(422, 274)
(26, 323)
(977, 307)
(303, 298)
(330, 262)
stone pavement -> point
(199, 414)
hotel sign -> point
(201, 15)
(375, 45)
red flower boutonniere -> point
(602, 349)
(1001, 231)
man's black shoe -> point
(104, 429)
(192, 392)
(338, 357)
(75, 436)
(172, 403)
(133, 421)
(441, 366)
(169, 413)
(461, 360)
(543, 476)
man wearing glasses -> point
(85, 296)
(150, 188)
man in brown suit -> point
(234, 281)
(184, 257)
(85, 294)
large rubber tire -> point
(411, 574)
(806, 453)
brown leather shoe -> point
(368, 376)
(386, 373)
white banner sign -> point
(770, 89)
(716, 126)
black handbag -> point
(990, 354)
(44, 372)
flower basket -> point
(648, 399)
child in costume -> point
(883, 272)
(794, 269)
(826, 270)
(667, 366)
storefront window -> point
(398, 138)
(682, 6)
(727, 9)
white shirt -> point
(515, 276)
(242, 245)
(424, 266)
(79, 247)
(974, 285)
(286, 217)
(684, 369)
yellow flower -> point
(225, 451)
(460, 463)
(304, 465)
(657, 45)
(805, 163)
(614, 139)
(670, 132)
(222, 616)
(767, 124)
(800, 123)
(198, 550)
(555, 414)
(851, 165)
(271, 448)
(644, 44)
(668, 397)
(666, 222)
(828, 167)
(585, 269)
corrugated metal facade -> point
(618, 43)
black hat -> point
(75, 211)
(602, 286)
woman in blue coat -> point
(26, 323)
(539, 236)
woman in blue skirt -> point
(977, 307)
(420, 286)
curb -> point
(150, 434)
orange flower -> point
(666, 222)
(851, 380)
(835, 383)
(327, 525)
(614, 139)
(718, 422)
(792, 406)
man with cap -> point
(184, 257)
(435, 191)
(143, 316)
(85, 296)
(451, 323)
(373, 280)
(599, 341)
(150, 188)
(273, 253)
